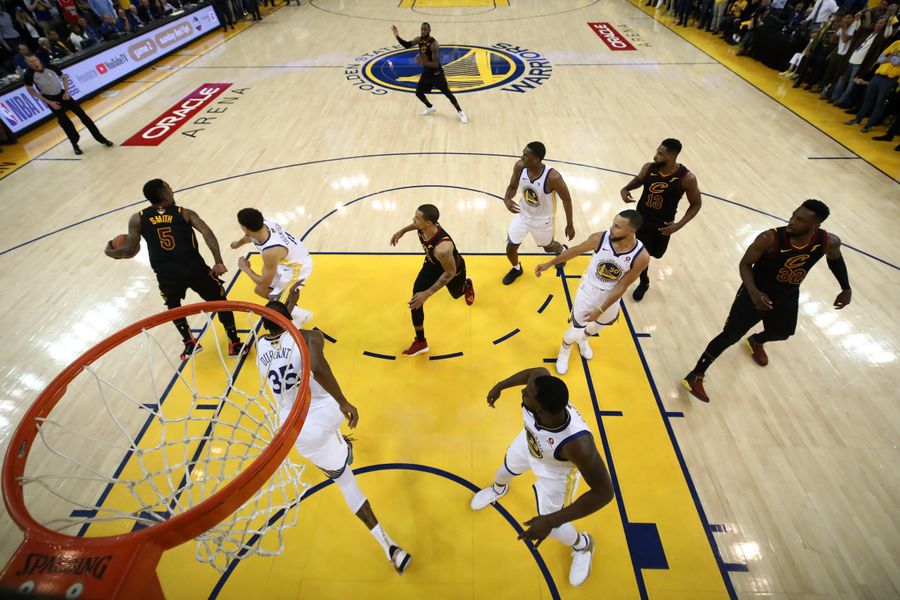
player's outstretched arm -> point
(513, 187)
(403, 42)
(323, 375)
(582, 452)
(238, 243)
(587, 245)
(519, 379)
(132, 243)
(396, 237)
(760, 245)
(636, 182)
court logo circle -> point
(467, 68)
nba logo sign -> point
(13, 120)
(101, 68)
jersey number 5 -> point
(166, 241)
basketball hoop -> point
(220, 453)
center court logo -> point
(468, 69)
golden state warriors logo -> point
(609, 271)
(533, 445)
(467, 68)
(530, 196)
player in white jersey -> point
(537, 185)
(558, 446)
(619, 258)
(285, 259)
(320, 439)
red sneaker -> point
(470, 292)
(191, 347)
(757, 352)
(418, 347)
(694, 384)
(238, 349)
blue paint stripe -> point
(206, 406)
(642, 335)
(443, 356)
(609, 413)
(394, 154)
(834, 158)
(376, 355)
(326, 336)
(572, 276)
(548, 578)
(646, 547)
(506, 337)
(718, 528)
(546, 302)
(681, 462)
(670, 414)
(549, 360)
(607, 451)
(737, 567)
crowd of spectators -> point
(846, 51)
(54, 30)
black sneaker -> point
(513, 275)
(639, 292)
(191, 347)
(76, 149)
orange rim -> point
(192, 522)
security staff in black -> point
(168, 231)
(664, 182)
(432, 72)
(772, 270)
(443, 266)
(51, 86)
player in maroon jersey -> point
(432, 72)
(443, 266)
(772, 269)
(664, 181)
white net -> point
(141, 436)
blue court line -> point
(403, 187)
(681, 462)
(75, 159)
(376, 355)
(443, 356)
(669, 414)
(549, 360)
(150, 406)
(609, 413)
(564, 276)
(326, 336)
(312, 4)
(551, 585)
(546, 302)
(833, 158)
(396, 154)
(207, 407)
(737, 567)
(507, 336)
(719, 528)
(642, 335)
(607, 451)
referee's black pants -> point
(66, 123)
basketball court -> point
(785, 486)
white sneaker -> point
(463, 118)
(562, 360)
(400, 558)
(487, 496)
(581, 563)
(428, 110)
(584, 347)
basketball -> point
(118, 240)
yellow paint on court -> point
(431, 415)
